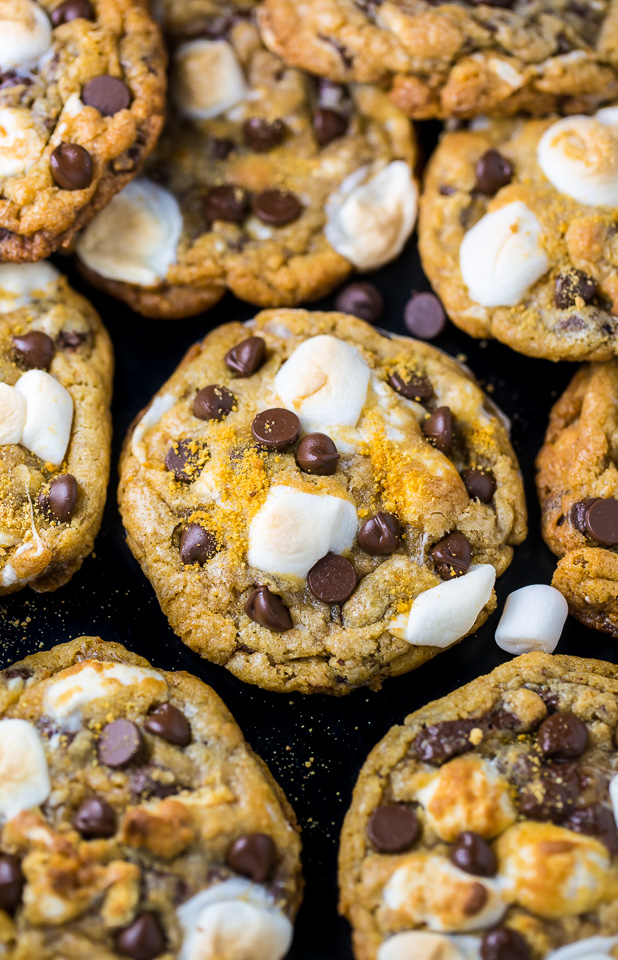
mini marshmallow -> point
(501, 256)
(207, 79)
(20, 283)
(368, 220)
(157, 409)
(24, 777)
(532, 619)
(49, 415)
(579, 157)
(20, 142)
(422, 945)
(135, 238)
(293, 530)
(325, 382)
(444, 613)
(25, 34)
(591, 948)
(12, 414)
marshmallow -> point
(501, 256)
(12, 414)
(207, 79)
(25, 558)
(368, 220)
(579, 157)
(467, 794)
(157, 409)
(325, 382)
(25, 34)
(24, 777)
(591, 948)
(135, 238)
(49, 415)
(22, 282)
(293, 530)
(532, 619)
(613, 796)
(20, 142)
(444, 613)
(421, 945)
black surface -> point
(315, 745)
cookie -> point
(483, 827)
(517, 233)
(136, 820)
(82, 86)
(456, 59)
(265, 182)
(319, 506)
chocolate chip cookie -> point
(56, 366)
(319, 506)
(518, 233)
(484, 827)
(136, 820)
(82, 85)
(265, 182)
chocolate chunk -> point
(121, 743)
(332, 579)
(493, 171)
(413, 388)
(94, 819)
(438, 428)
(551, 793)
(185, 460)
(108, 95)
(504, 944)
(253, 855)
(424, 316)
(442, 741)
(380, 535)
(595, 821)
(277, 207)
(213, 402)
(480, 484)
(227, 203)
(143, 783)
(59, 504)
(362, 300)
(34, 350)
(221, 147)
(275, 429)
(571, 286)
(472, 853)
(452, 556)
(393, 828)
(197, 545)
(11, 883)
(262, 135)
(71, 10)
(169, 723)
(602, 521)
(143, 940)
(577, 513)
(246, 357)
(71, 167)
(317, 454)
(267, 608)
(328, 125)
(562, 736)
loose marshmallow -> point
(20, 143)
(369, 220)
(579, 157)
(25, 34)
(207, 79)
(49, 415)
(325, 382)
(467, 794)
(20, 283)
(293, 530)
(501, 256)
(234, 920)
(444, 613)
(592, 948)
(135, 238)
(12, 414)
(157, 409)
(422, 945)
(24, 777)
(532, 619)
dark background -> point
(328, 738)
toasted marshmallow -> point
(369, 219)
(532, 619)
(592, 948)
(12, 414)
(157, 409)
(207, 79)
(579, 157)
(467, 794)
(25, 34)
(20, 283)
(421, 945)
(49, 415)
(24, 777)
(234, 920)
(20, 143)
(325, 382)
(135, 238)
(501, 256)
(445, 613)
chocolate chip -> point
(577, 513)
(317, 454)
(275, 429)
(121, 743)
(480, 484)
(253, 855)
(262, 135)
(452, 556)
(361, 300)
(472, 853)
(380, 535)
(108, 95)
(197, 545)
(493, 171)
(16, 673)
(595, 821)
(602, 521)
(562, 736)
(277, 207)
(34, 350)
(246, 357)
(504, 944)
(424, 316)
(213, 402)
(94, 819)
(221, 147)
(169, 723)
(328, 125)
(59, 504)
(438, 428)
(71, 166)
(267, 608)
(11, 883)
(393, 828)
(550, 795)
(185, 460)
(571, 286)
(442, 741)
(71, 10)
(476, 899)
(227, 203)
(414, 388)
(72, 339)
(143, 940)
(332, 579)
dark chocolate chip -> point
(493, 171)
(16, 673)
(562, 736)
(438, 428)
(328, 125)
(227, 203)
(476, 899)
(393, 828)
(109, 95)
(317, 454)
(34, 350)
(550, 794)
(413, 388)
(121, 743)
(277, 207)
(275, 429)
(595, 821)
(143, 940)
(362, 300)
(59, 504)
(71, 339)
(197, 545)
(94, 819)
(185, 460)
(424, 316)
(452, 556)
(268, 609)
(504, 944)
(246, 357)
(442, 741)
(213, 402)
(380, 535)
(253, 855)
(480, 484)
(71, 10)
(71, 166)
(571, 286)
(169, 723)
(472, 853)
(602, 521)
(262, 135)
(221, 147)
(11, 883)
(577, 513)
(332, 579)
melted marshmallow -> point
(579, 157)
